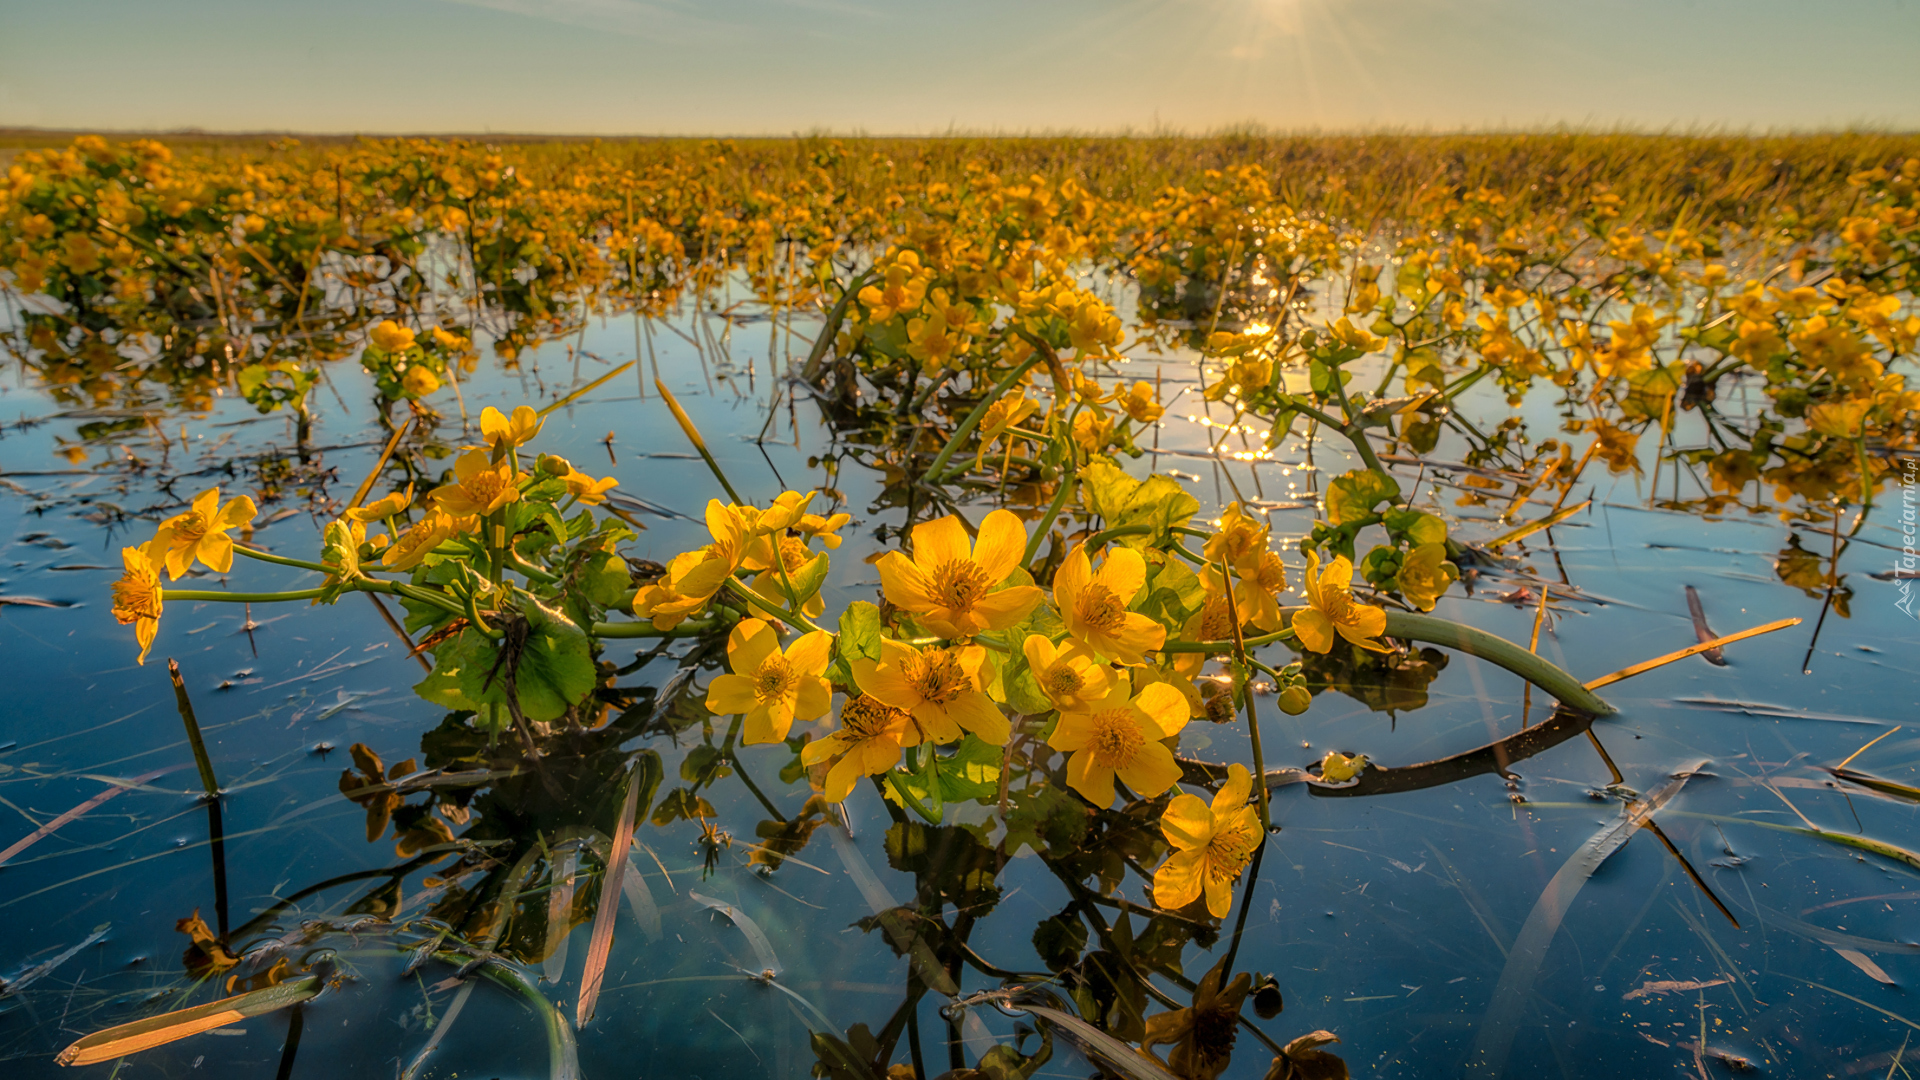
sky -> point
(896, 67)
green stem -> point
(1474, 642)
(282, 560)
(938, 469)
(1115, 533)
(238, 597)
(1045, 525)
(761, 602)
(1356, 434)
(514, 560)
(694, 628)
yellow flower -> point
(1140, 404)
(1258, 582)
(940, 688)
(1094, 605)
(694, 576)
(480, 486)
(1121, 735)
(1425, 575)
(1072, 677)
(1212, 845)
(1338, 768)
(496, 427)
(868, 743)
(449, 342)
(200, 534)
(1333, 608)
(1002, 415)
(905, 289)
(391, 337)
(419, 381)
(824, 529)
(1092, 429)
(587, 489)
(384, 507)
(137, 596)
(950, 587)
(794, 556)
(1239, 538)
(419, 540)
(773, 688)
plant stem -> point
(936, 470)
(646, 629)
(1045, 524)
(194, 740)
(282, 560)
(693, 436)
(238, 597)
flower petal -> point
(1313, 629)
(216, 550)
(1124, 572)
(936, 542)
(1001, 545)
(813, 699)
(730, 694)
(1152, 770)
(1187, 822)
(810, 654)
(975, 712)
(1069, 581)
(1007, 607)
(749, 645)
(1165, 706)
(904, 584)
(884, 683)
(1177, 883)
(1073, 732)
(1093, 781)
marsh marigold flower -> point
(480, 486)
(420, 381)
(410, 548)
(1425, 574)
(868, 743)
(137, 596)
(382, 508)
(951, 587)
(200, 534)
(1211, 845)
(771, 687)
(1071, 675)
(1094, 605)
(518, 430)
(694, 576)
(941, 689)
(1334, 610)
(587, 489)
(390, 336)
(1140, 404)
(1120, 736)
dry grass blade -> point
(360, 493)
(1857, 959)
(614, 875)
(77, 812)
(160, 1030)
(1645, 666)
(1865, 748)
(590, 387)
(560, 913)
(1531, 527)
(756, 937)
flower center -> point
(1100, 609)
(959, 583)
(937, 676)
(136, 597)
(1117, 738)
(485, 486)
(1337, 604)
(865, 718)
(1063, 680)
(1229, 851)
(793, 553)
(190, 526)
(773, 680)
(1215, 623)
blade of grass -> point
(693, 436)
(1645, 666)
(155, 1031)
(613, 878)
(80, 811)
(594, 385)
(360, 493)
(1531, 527)
(199, 745)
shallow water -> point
(1402, 922)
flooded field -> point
(977, 541)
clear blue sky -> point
(923, 66)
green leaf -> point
(1355, 494)
(1106, 488)
(1418, 527)
(859, 639)
(1174, 593)
(604, 579)
(554, 670)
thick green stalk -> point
(693, 628)
(282, 560)
(220, 596)
(1474, 642)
